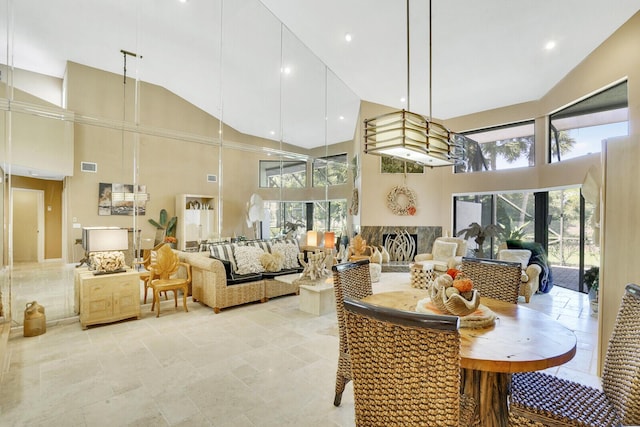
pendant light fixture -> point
(409, 136)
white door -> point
(28, 225)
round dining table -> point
(520, 340)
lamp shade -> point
(329, 239)
(312, 238)
(99, 239)
(411, 137)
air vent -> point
(88, 167)
(212, 178)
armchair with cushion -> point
(447, 252)
(530, 272)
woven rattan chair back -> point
(621, 372)
(405, 366)
(540, 399)
(494, 279)
(350, 280)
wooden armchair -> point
(165, 276)
(148, 256)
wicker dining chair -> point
(494, 279)
(352, 280)
(539, 399)
(406, 367)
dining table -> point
(520, 340)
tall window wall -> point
(498, 148)
(580, 128)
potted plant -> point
(592, 280)
(167, 226)
(480, 233)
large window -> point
(325, 215)
(513, 213)
(330, 170)
(285, 174)
(580, 128)
(504, 147)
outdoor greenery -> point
(394, 165)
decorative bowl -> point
(455, 304)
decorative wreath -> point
(409, 208)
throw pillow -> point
(290, 252)
(515, 255)
(224, 251)
(248, 259)
(443, 251)
(272, 262)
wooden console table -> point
(107, 298)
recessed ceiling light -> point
(182, 1)
(550, 45)
(286, 70)
(348, 37)
(273, 132)
(403, 99)
(341, 117)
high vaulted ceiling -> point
(229, 57)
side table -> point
(319, 299)
(107, 298)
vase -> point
(593, 300)
(376, 256)
(385, 255)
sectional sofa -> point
(232, 274)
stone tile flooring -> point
(255, 365)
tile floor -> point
(255, 365)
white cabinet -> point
(196, 220)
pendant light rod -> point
(408, 63)
(430, 64)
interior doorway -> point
(27, 213)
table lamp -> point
(312, 238)
(329, 239)
(104, 246)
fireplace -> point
(402, 246)
(421, 236)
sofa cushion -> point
(443, 251)
(521, 256)
(243, 278)
(248, 259)
(290, 252)
(224, 251)
(272, 274)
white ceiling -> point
(486, 54)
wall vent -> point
(88, 167)
(212, 178)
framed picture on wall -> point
(121, 199)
